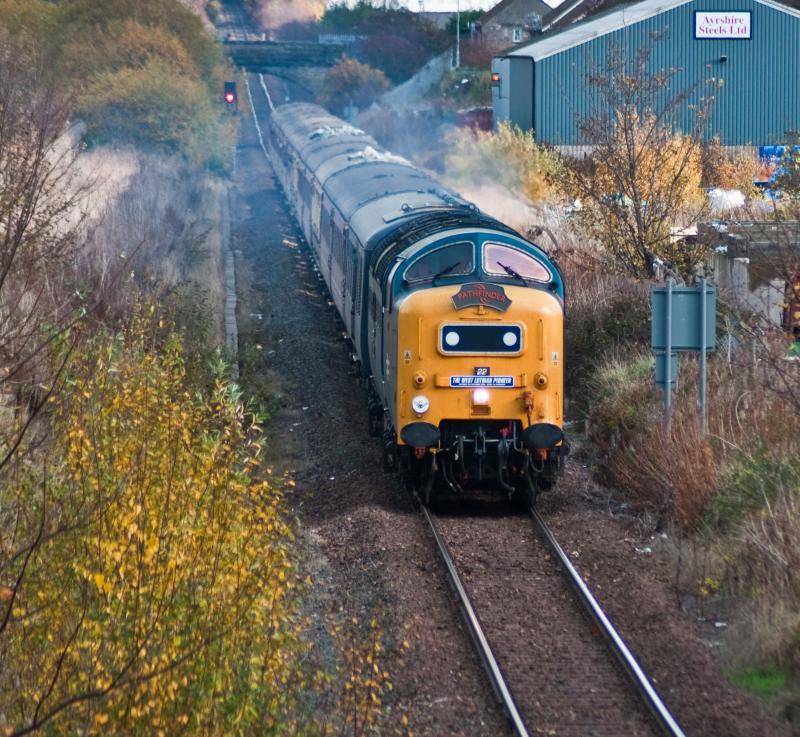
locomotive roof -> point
(352, 167)
(311, 130)
(377, 192)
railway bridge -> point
(301, 62)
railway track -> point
(532, 635)
(550, 668)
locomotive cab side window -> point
(456, 259)
(504, 260)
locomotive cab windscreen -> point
(455, 259)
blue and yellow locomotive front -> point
(474, 367)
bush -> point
(672, 474)
(606, 314)
(751, 482)
(508, 157)
(150, 63)
(88, 21)
(625, 404)
(128, 44)
(159, 591)
(351, 83)
(728, 170)
(154, 106)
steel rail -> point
(478, 636)
(255, 120)
(266, 92)
(666, 722)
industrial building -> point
(746, 53)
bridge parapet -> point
(266, 56)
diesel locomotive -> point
(456, 320)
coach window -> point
(457, 259)
(503, 260)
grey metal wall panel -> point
(500, 92)
(521, 83)
(757, 95)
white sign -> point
(722, 24)
(504, 382)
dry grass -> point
(607, 314)
(684, 472)
(161, 220)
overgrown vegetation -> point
(351, 84)
(149, 581)
(508, 157)
(147, 73)
(153, 582)
(728, 496)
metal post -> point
(668, 357)
(458, 34)
(703, 329)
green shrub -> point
(759, 681)
(154, 106)
(619, 320)
(623, 391)
(751, 482)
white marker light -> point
(451, 338)
(510, 339)
(420, 404)
(480, 396)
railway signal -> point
(231, 100)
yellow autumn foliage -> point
(729, 169)
(640, 184)
(159, 595)
(509, 157)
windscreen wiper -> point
(513, 273)
(445, 271)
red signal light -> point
(230, 98)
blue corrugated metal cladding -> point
(757, 103)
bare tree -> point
(38, 198)
(763, 298)
(641, 182)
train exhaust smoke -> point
(273, 14)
